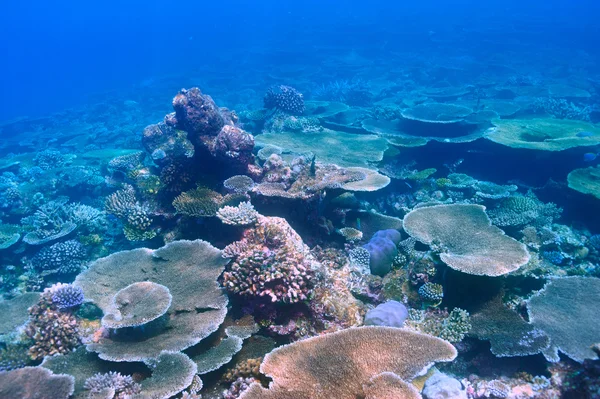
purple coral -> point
(65, 296)
(286, 99)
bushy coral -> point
(62, 258)
(286, 99)
(123, 386)
(269, 261)
(135, 216)
(50, 222)
(65, 296)
(431, 292)
(52, 331)
(49, 159)
(520, 210)
(14, 357)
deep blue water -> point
(56, 55)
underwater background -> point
(277, 199)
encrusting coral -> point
(339, 365)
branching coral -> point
(60, 258)
(286, 99)
(271, 261)
(135, 216)
(519, 210)
(52, 331)
(451, 326)
(565, 310)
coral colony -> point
(305, 249)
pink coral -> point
(270, 261)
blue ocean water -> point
(200, 198)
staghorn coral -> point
(201, 202)
(564, 310)
(242, 215)
(466, 240)
(35, 383)
(339, 364)
(122, 386)
(61, 258)
(52, 331)
(269, 261)
(183, 267)
(286, 99)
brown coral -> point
(52, 331)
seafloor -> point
(380, 226)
